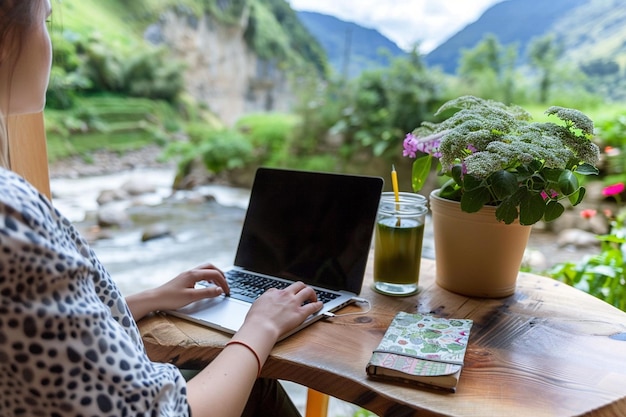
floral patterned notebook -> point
(423, 349)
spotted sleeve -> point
(68, 343)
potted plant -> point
(505, 169)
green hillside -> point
(112, 88)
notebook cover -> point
(422, 348)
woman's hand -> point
(179, 291)
(225, 384)
(278, 311)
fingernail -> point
(219, 290)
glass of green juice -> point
(398, 243)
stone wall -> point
(221, 70)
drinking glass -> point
(398, 243)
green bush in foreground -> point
(602, 275)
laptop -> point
(314, 227)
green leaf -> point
(507, 211)
(531, 209)
(457, 174)
(552, 174)
(421, 169)
(474, 200)
(577, 197)
(553, 210)
(536, 183)
(503, 184)
(471, 183)
(568, 183)
(535, 165)
(586, 169)
(523, 171)
(450, 191)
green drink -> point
(398, 248)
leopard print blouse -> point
(68, 343)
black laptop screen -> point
(310, 226)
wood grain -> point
(28, 154)
(547, 350)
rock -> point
(577, 238)
(193, 175)
(109, 196)
(95, 233)
(104, 162)
(599, 225)
(534, 260)
(138, 186)
(112, 217)
(155, 231)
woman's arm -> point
(178, 292)
(223, 387)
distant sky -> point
(429, 22)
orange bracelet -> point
(256, 355)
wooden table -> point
(547, 350)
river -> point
(201, 231)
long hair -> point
(16, 18)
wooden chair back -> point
(28, 152)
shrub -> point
(602, 275)
(270, 134)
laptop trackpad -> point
(221, 312)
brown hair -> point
(16, 18)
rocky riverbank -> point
(104, 162)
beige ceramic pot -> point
(476, 255)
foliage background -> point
(110, 89)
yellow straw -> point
(394, 183)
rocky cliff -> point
(222, 71)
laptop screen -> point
(310, 226)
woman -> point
(69, 344)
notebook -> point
(314, 227)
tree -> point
(488, 69)
(386, 103)
(543, 53)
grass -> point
(85, 144)
(603, 111)
(118, 124)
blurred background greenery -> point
(112, 89)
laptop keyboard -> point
(248, 287)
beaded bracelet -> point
(256, 355)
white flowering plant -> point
(496, 155)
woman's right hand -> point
(278, 311)
(223, 387)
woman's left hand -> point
(179, 291)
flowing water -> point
(202, 230)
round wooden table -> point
(547, 350)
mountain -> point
(350, 48)
(587, 30)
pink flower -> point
(553, 194)
(410, 145)
(428, 144)
(588, 213)
(613, 189)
